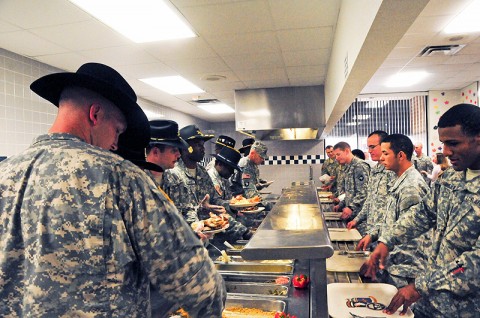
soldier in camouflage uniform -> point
(422, 162)
(354, 181)
(222, 141)
(225, 163)
(85, 233)
(191, 188)
(449, 285)
(404, 194)
(373, 209)
(332, 168)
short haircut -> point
(160, 147)
(358, 153)
(399, 142)
(465, 115)
(328, 147)
(380, 133)
(342, 145)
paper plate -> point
(341, 295)
(217, 230)
(341, 235)
(243, 205)
(259, 209)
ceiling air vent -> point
(441, 50)
(206, 101)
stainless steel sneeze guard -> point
(296, 229)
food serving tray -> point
(257, 289)
(345, 263)
(266, 304)
(254, 268)
(343, 234)
(359, 299)
(239, 259)
(257, 278)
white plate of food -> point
(363, 300)
(214, 224)
(240, 202)
(213, 231)
(253, 209)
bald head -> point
(418, 148)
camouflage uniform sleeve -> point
(361, 174)
(418, 220)
(459, 276)
(181, 196)
(363, 214)
(236, 183)
(248, 181)
(175, 260)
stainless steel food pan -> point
(255, 268)
(257, 289)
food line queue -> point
(87, 233)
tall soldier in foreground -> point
(449, 285)
(83, 232)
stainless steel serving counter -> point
(295, 229)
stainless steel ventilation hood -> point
(283, 113)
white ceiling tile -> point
(267, 83)
(319, 71)
(146, 70)
(193, 66)
(8, 27)
(307, 81)
(462, 59)
(432, 24)
(277, 74)
(235, 44)
(298, 14)
(180, 49)
(312, 57)
(305, 39)
(28, 14)
(254, 61)
(427, 61)
(444, 7)
(74, 37)
(121, 55)
(230, 18)
(65, 61)
(28, 44)
(404, 52)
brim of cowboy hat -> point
(228, 162)
(204, 137)
(51, 86)
(180, 144)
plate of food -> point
(253, 209)
(214, 224)
(240, 202)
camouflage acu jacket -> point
(354, 184)
(373, 209)
(84, 233)
(449, 284)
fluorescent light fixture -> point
(361, 117)
(466, 21)
(173, 85)
(217, 108)
(405, 79)
(139, 20)
(352, 124)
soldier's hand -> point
(205, 200)
(217, 209)
(364, 243)
(352, 224)
(347, 213)
(376, 261)
(405, 296)
(336, 208)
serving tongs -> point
(352, 254)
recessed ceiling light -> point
(466, 21)
(405, 79)
(173, 85)
(139, 20)
(217, 108)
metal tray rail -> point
(257, 289)
(255, 268)
(249, 278)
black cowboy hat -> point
(107, 82)
(223, 140)
(191, 132)
(230, 157)
(137, 156)
(246, 143)
(165, 132)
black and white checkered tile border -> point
(293, 160)
(284, 160)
